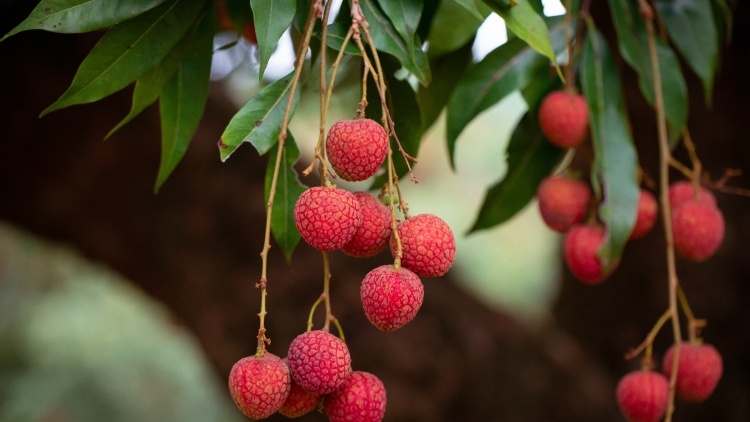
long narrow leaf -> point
(271, 19)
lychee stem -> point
(695, 325)
(649, 340)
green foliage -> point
(272, 18)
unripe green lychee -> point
(362, 398)
(327, 217)
(648, 211)
(698, 229)
(356, 148)
(428, 245)
(259, 385)
(319, 361)
(698, 371)
(564, 119)
(580, 251)
(372, 236)
(391, 297)
(643, 396)
(300, 401)
(563, 202)
(684, 191)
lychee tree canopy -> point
(163, 50)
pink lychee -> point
(327, 217)
(684, 191)
(428, 245)
(319, 361)
(372, 235)
(563, 202)
(356, 148)
(259, 385)
(580, 251)
(300, 401)
(698, 229)
(698, 371)
(648, 211)
(564, 119)
(362, 398)
(391, 296)
(643, 396)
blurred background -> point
(117, 304)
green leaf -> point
(526, 23)
(335, 38)
(404, 16)
(288, 189)
(530, 159)
(462, 23)
(72, 16)
(471, 6)
(129, 50)
(183, 100)
(271, 18)
(633, 45)
(387, 39)
(447, 71)
(690, 25)
(615, 163)
(259, 120)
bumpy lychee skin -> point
(564, 119)
(643, 396)
(362, 398)
(327, 217)
(300, 401)
(698, 371)
(698, 230)
(319, 361)
(563, 202)
(648, 211)
(580, 248)
(391, 296)
(683, 191)
(372, 236)
(259, 385)
(428, 245)
(356, 148)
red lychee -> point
(563, 202)
(698, 372)
(372, 236)
(362, 398)
(356, 148)
(319, 361)
(643, 396)
(684, 191)
(648, 210)
(564, 119)
(300, 401)
(391, 296)
(580, 251)
(327, 217)
(428, 245)
(259, 385)
(698, 229)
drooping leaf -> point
(447, 70)
(183, 100)
(404, 16)
(462, 23)
(615, 163)
(129, 50)
(259, 120)
(691, 28)
(723, 18)
(388, 40)
(633, 45)
(472, 7)
(525, 22)
(73, 16)
(271, 18)
(288, 189)
(530, 159)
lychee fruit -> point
(259, 385)
(643, 396)
(698, 371)
(580, 251)
(648, 211)
(684, 191)
(300, 401)
(319, 361)
(362, 398)
(327, 217)
(372, 236)
(356, 148)
(391, 296)
(564, 119)
(427, 243)
(563, 202)
(698, 229)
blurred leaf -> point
(387, 40)
(723, 18)
(690, 24)
(526, 23)
(530, 159)
(615, 162)
(271, 18)
(447, 71)
(288, 189)
(71, 16)
(335, 38)
(462, 23)
(129, 50)
(259, 120)
(472, 7)
(404, 16)
(183, 100)
(633, 45)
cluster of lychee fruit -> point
(643, 395)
